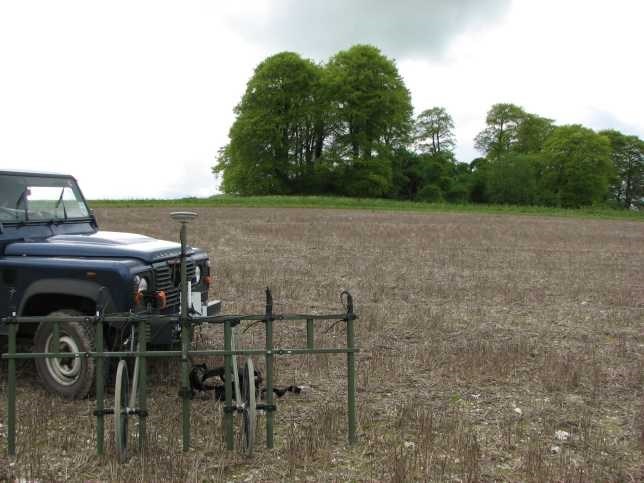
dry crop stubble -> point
(481, 337)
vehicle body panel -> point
(98, 244)
(72, 257)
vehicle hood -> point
(104, 244)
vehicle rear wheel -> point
(71, 377)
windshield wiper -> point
(23, 198)
(60, 200)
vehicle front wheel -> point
(71, 377)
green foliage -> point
(430, 193)
(627, 154)
(370, 104)
(530, 161)
(459, 190)
(479, 180)
(512, 180)
(370, 117)
(501, 133)
(437, 171)
(277, 135)
(407, 174)
(346, 128)
(434, 132)
(303, 128)
(429, 177)
(511, 129)
(532, 133)
(576, 168)
(365, 178)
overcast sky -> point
(135, 97)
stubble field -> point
(506, 348)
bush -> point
(430, 193)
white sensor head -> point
(183, 216)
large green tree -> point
(501, 131)
(279, 130)
(576, 167)
(532, 133)
(370, 118)
(627, 153)
(426, 173)
(512, 141)
(434, 131)
(510, 129)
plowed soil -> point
(506, 348)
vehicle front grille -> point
(167, 277)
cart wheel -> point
(121, 391)
(249, 413)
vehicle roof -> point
(24, 172)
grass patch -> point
(375, 204)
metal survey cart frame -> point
(186, 322)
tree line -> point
(347, 128)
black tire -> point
(71, 377)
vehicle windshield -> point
(40, 198)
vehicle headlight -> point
(141, 283)
(197, 277)
(141, 286)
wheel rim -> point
(121, 390)
(65, 370)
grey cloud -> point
(600, 119)
(405, 28)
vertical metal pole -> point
(310, 334)
(100, 384)
(11, 391)
(269, 368)
(56, 338)
(236, 384)
(143, 395)
(228, 371)
(185, 343)
(351, 380)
